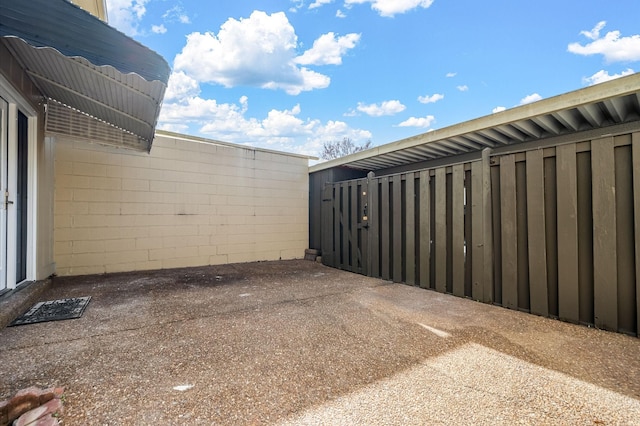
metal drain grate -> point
(53, 310)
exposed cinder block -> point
(187, 203)
(135, 184)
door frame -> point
(17, 103)
(4, 132)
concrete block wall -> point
(189, 202)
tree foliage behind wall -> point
(337, 149)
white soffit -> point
(598, 106)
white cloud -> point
(534, 97)
(281, 129)
(418, 122)
(258, 51)
(463, 88)
(181, 86)
(280, 124)
(451, 74)
(340, 14)
(389, 8)
(176, 14)
(158, 29)
(602, 76)
(328, 50)
(612, 46)
(125, 15)
(595, 32)
(297, 4)
(430, 99)
(384, 108)
(198, 110)
(319, 3)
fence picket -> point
(385, 227)
(410, 230)
(537, 240)
(567, 190)
(353, 225)
(397, 228)
(373, 208)
(605, 279)
(425, 230)
(635, 148)
(509, 231)
(457, 247)
(441, 230)
(477, 231)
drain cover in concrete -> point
(53, 310)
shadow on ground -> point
(295, 342)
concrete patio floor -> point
(295, 342)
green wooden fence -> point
(554, 231)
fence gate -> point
(423, 228)
(345, 222)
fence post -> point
(488, 227)
(372, 227)
(326, 239)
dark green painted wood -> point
(524, 302)
(353, 226)
(487, 231)
(567, 190)
(346, 232)
(605, 274)
(397, 228)
(468, 233)
(537, 249)
(364, 226)
(449, 208)
(585, 237)
(410, 229)
(374, 227)
(635, 147)
(508, 231)
(496, 224)
(477, 231)
(441, 230)
(327, 225)
(457, 224)
(337, 226)
(385, 230)
(551, 230)
(625, 240)
(425, 230)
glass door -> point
(4, 165)
(20, 200)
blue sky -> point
(290, 75)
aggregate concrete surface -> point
(297, 343)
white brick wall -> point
(188, 203)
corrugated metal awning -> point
(99, 77)
(603, 105)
